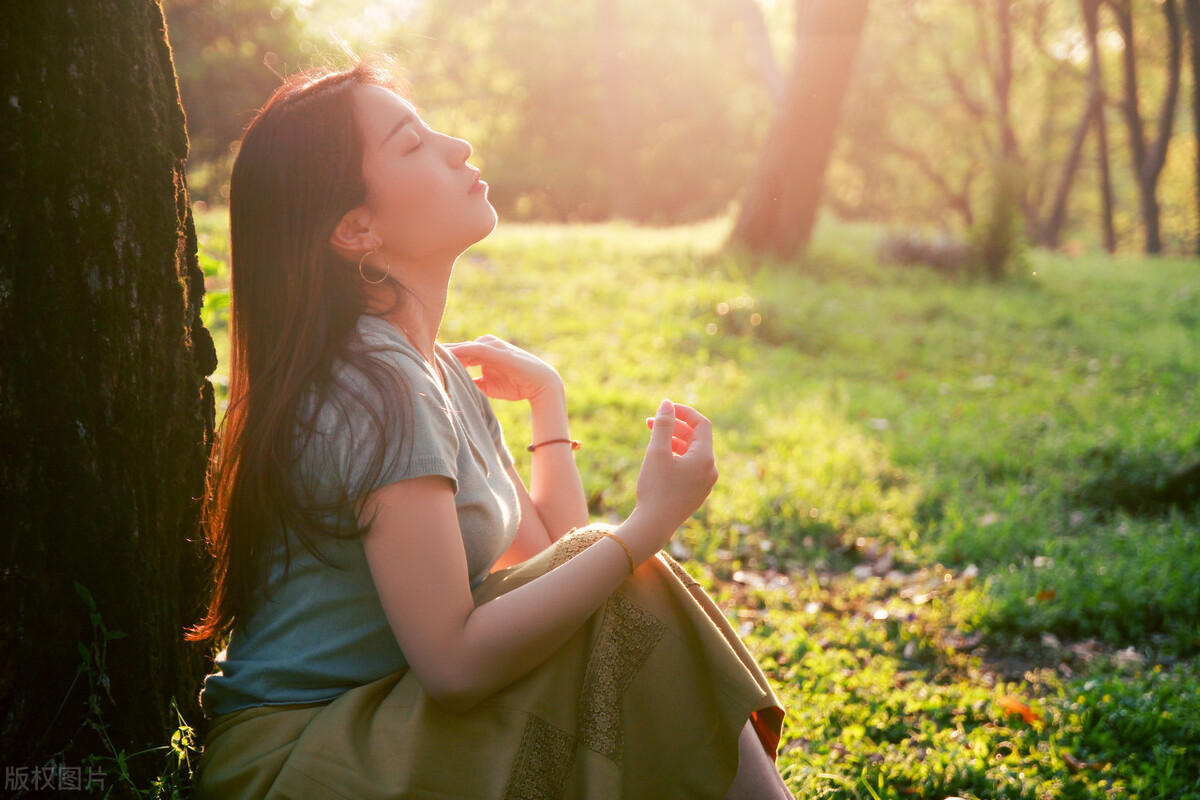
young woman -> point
(405, 618)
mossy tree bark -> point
(106, 413)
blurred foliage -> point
(997, 239)
(919, 133)
(224, 53)
(520, 80)
(941, 252)
(524, 82)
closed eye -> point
(413, 130)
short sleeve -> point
(390, 426)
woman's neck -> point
(419, 316)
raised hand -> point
(507, 371)
(679, 469)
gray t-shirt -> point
(324, 630)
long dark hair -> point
(294, 304)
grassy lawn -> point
(937, 524)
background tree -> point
(1091, 16)
(661, 118)
(1191, 10)
(924, 119)
(228, 56)
(529, 82)
(758, 40)
(782, 198)
(620, 127)
(106, 415)
(1148, 157)
(982, 106)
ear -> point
(353, 236)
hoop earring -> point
(360, 268)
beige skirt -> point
(646, 700)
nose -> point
(463, 147)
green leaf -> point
(83, 592)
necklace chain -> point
(433, 363)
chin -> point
(487, 224)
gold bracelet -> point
(624, 546)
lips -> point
(476, 184)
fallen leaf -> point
(1014, 707)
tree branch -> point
(959, 201)
(1157, 156)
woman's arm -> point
(555, 488)
(554, 483)
(461, 654)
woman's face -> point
(422, 196)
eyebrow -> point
(408, 120)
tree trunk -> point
(783, 196)
(1091, 13)
(760, 48)
(106, 414)
(1149, 158)
(1191, 10)
(1002, 79)
(619, 128)
(1156, 158)
(1048, 233)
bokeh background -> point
(656, 112)
(928, 265)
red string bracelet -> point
(575, 445)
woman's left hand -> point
(508, 372)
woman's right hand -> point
(678, 471)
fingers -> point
(465, 352)
(482, 354)
(486, 349)
(700, 444)
(682, 429)
(660, 432)
(682, 435)
(691, 416)
(679, 438)
(486, 339)
(691, 427)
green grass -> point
(919, 507)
